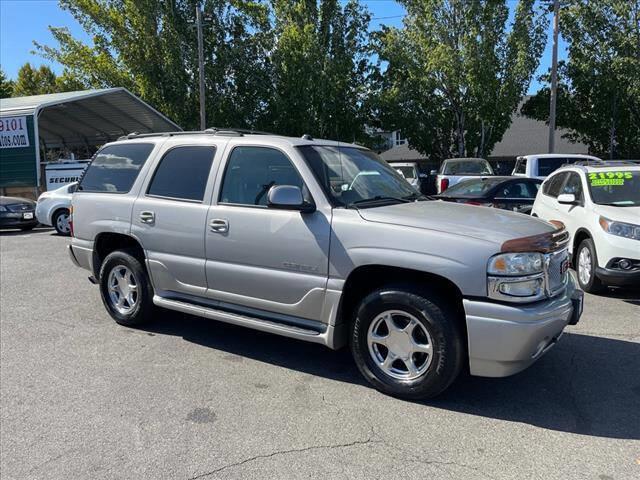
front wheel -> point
(407, 343)
(125, 289)
(586, 267)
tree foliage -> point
(290, 66)
(6, 85)
(456, 72)
(320, 68)
(599, 89)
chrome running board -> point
(324, 337)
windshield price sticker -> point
(605, 179)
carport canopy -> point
(87, 118)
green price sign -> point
(610, 178)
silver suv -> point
(324, 242)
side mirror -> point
(433, 172)
(567, 199)
(288, 197)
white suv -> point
(600, 207)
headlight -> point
(620, 229)
(510, 264)
(516, 277)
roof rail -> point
(600, 163)
(306, 136)
(240, 131)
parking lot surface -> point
(189, 398)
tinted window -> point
(472, 188)
(573, 185)
(183, 173)
(552, 186)
(518, 190)
(252, 171)
(546, 166)
(115, 168)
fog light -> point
(624, 264)
(527, 288)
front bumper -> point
(504, 339)
(17, 220)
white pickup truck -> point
(454, 170)
(544, 164)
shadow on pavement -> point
(16, 232)
(585, 385)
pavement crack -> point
(285, 452)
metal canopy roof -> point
(89, 117)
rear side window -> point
(183, 173)
(115, 168)
(521, 166)
(552, 186)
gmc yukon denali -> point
(321, 241)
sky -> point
(23, 21)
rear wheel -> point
(407, 343)
(586, 267)
(61, 222)
(125, 288)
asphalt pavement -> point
(190, 398)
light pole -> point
(203, 120)
(554, 78)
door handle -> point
(147, 217)
(219, 225)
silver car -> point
(53, 208)
(324, 242)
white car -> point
(600, 207)
(455, 170)
(53, 208)
(544, 164)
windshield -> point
(352, 175)
(615, 187)
(472, 188)
(467, 167)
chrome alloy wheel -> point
(123, 289)
(584, 266)
(62, 222)
(400, 345)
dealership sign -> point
(13, 132)
(59, 174)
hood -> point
(620, 214)
(12, 200)
(490, 224)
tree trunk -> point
(612, 130)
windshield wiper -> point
(417, 196)
(375, 200)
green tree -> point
(150, 47)
(6, 85)
(320, 68)
(599, 92)
(454, 74)
(32, 81)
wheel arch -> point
(108, 242)
(580, 235)
(364, 279)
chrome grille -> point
(20, 207)
(556, 267)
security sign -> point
(13, 132)
(63, 173)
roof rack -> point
(209, 131)
(600, 163)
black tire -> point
(143, 308)
(54, 220)
(593, 285)
(439, 319)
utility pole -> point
(203, 120)
(554, 77)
